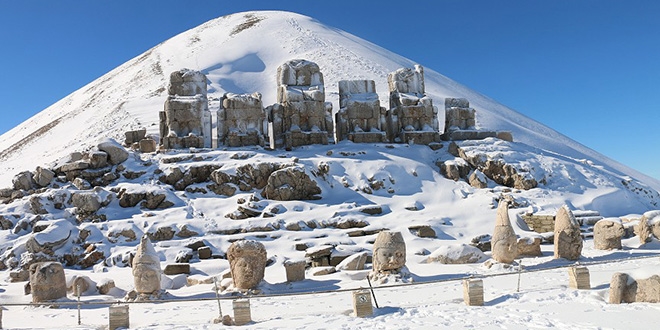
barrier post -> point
(118, 317)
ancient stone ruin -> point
(624, 288)
(567, 239)
(389, 255)
(186, 120)
(241, 120)
(247, 261)
(412, 118)
(146, 268)
(47, 281)
(360, 118)
(301, 116)
(504, 244)
(460, 123)
(607, 234)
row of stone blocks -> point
(301, 116)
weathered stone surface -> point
(23, 181)
(424, 231)
(204, 252)
(643, 231)
(389, 252)
(104, 286)
(623, 288)
(301, 116)
(457, 254)
(295, 270)
(148, 145)
(529, 246)
(241, 120)
(455, 169)
(247, 260)
(177, 268)
(54, 236)
(134, 136)
(116, 153)
(326, 270)
(567, 239)
(97, 159)
(86, 202)
(354, 262)
(607, 234)
(47, 281)
(292, 183)
(42, 176)
(478, 180)
(360, 118)
(504, 244)
(164, 233)
(146, 268)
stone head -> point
(247, 261)
(389, 251)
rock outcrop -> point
(567, 239)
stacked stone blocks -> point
(360, 118)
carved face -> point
(246, 273)
(146, 279)
(386, 258)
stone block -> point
(473, 292)
(177, 268)
(204, 252)
(295, 270)
(118, 317)
(242, 314)
(147, 145)
(578, 278)
(362, 306)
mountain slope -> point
(240, 53)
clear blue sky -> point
(590, 69)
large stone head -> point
(389, 251)
(146, 267)
(247, 261)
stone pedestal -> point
(473, 292)
(242, 313)
(295, 270)
(362, 303)
(118, 317)
(578, 278)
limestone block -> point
(478, 180)
(456, 103)
(204, 252)
(292, 183)
(186, 82)
(147, 145)
(116, 153)
(578, 278)
(86, 202)
(177, 268)
(473, 292)
(623, 288)
(134, 136)
(354, 262)
(529, 246)
(42, 176)
(295, 270)
(242, 313)
(47, 281)
(247, 260)
(567, 239)
(608, 233)
(362, 306)
(299, 72)
(23, 181)
(118, 317)
(504, 244)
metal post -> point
(78, 294)
(520, 267)
(217, 295)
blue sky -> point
(590, 69)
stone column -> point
(242, 314)
(473, 292)
(578, 278)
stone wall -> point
(241, 120)
(360, 118)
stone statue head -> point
(389, 251)
(247, 261)
(146, 267)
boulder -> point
(504, 244)
(567, 236)
(116, 153)
(457, 254)
(624, 288)
(147, 145)
(86, 202)
(529, 246)
(104, 286)
(54, 236)
(23, 181)
(608, 233)
(644, 230)
(134, 136)
(47, 281)
(97, 159)
(247, 261)
(292, 183)
(354, 262)
(43, 176)
(177, 268)
(478, 179)
(424, 231)
(652, 219)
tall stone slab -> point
(241, 120)
(186, 121)
(360, 118)
(301, 116)
(567, 239)
(412, 118)
(504, 244)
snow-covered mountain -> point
(240, 53)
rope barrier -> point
(305, 293)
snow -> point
(412, 192)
